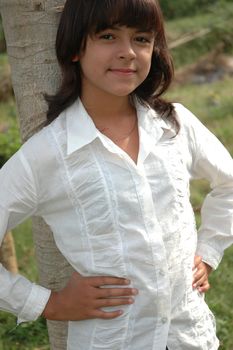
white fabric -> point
(110, 216)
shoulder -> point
(40, 150)
(190, 125)
(185, 117)
(41, 143)
(199, 138)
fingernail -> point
(127, 281)
(134, 291)
(130, 300)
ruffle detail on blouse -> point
(109, 337)
(170, 184)
(196, 322)
(178, 179)
(96, 222)
(100, 334)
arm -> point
(18, 201)
(210, 160)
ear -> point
(75, 58)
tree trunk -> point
(8, 255)
(30, 29)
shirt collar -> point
(81, 129)
(149, 121)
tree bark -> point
(30, 29)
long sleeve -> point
(213, 162)
(18, 201)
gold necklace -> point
(105, 131)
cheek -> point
(147, 59)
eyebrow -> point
(138, 30)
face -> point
(116, 61)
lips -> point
(123, 70)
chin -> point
(123, 92)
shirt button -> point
(164, 320)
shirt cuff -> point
(209, 255)
(35, 304)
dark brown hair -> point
(81, 18)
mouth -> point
(126, 71)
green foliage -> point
(218, 19)
(9, 142)
(26, 336)
(25, 250)
(180, 8)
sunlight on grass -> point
(212, 104)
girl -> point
(110, 175)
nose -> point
(126, 50)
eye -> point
(143, 39)
(107, 36)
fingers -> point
(107, 280)
(107, 315)
(200, 273)
(204, 287)
(84, 297)
(201, 283)
(197, 261)
(200, 279)
(115, 292)
(100, 303)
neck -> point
(107, 108)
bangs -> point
(141, 14)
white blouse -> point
(110, 216)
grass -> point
(7, 111)
(212, 103)
(32, 335)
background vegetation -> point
(179, 8)
(204, 84)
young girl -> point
(110, 175)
